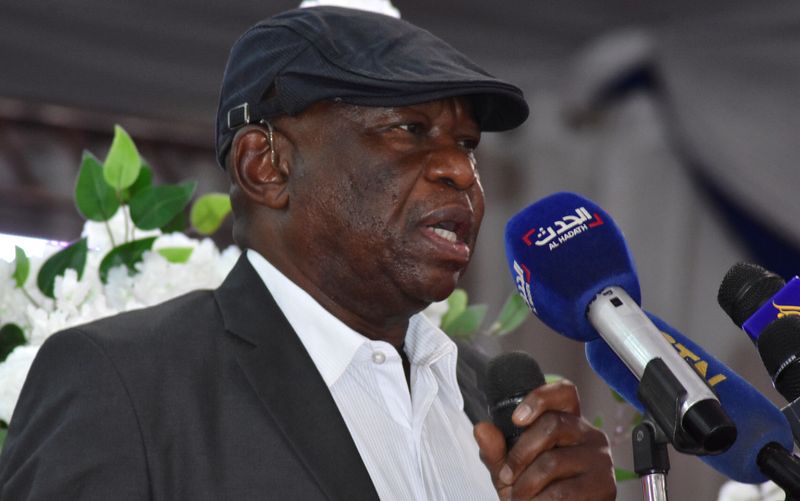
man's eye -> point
(412, 128)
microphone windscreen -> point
(562, 250)
(757, 420)
(510, 375)
(779, 347)
(745, 288)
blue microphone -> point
(562, 251)
(758, 421)
(573, 268)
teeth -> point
(448, 235)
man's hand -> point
(559, 456)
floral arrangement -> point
(132, 253)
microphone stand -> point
(651, 459)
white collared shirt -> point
(416, 446)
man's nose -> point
(452, 166)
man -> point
(309, 374)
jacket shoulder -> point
(170, 320)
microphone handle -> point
(636, 340)
(501, 416)
(780, 466)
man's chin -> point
(440, 288)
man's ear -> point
(261, 174)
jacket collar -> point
(278, 366)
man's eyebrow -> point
(369, 115)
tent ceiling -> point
(164, 59)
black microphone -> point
(754, 297)
(509, 378)
(779, 347)
(766, 308)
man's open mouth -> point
(446, 230)
(450, 230)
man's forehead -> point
(455, 105)
(325, 113)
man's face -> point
(384, 203)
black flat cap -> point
(287, 62)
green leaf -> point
(122, 162)
(23, 266)
(623, 475)
(617, 397)
(177, 224)
(156, 206)
(176, 254)
(598, 422)
(513, 313)
(144, 180)
(637, 419)
(11, 336)
(209, 211)
(467, 323)
(3, 433)
(127, 254)
(95, 198)
(73, 257)
(552, 378)
(456, 304)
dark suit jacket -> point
(210, 396)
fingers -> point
(559, 396)
(562, 473)
(581, 488)
(558, 456)
(553, 429)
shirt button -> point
(378, 357)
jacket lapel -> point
(288, 384)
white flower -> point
(12, 300)
(12, 374)
(70, 293)
(45, 322)
(158, 279)
(735, 491)
(80, 300)
(174, 240)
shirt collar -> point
(332, 345)
(428, 345)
